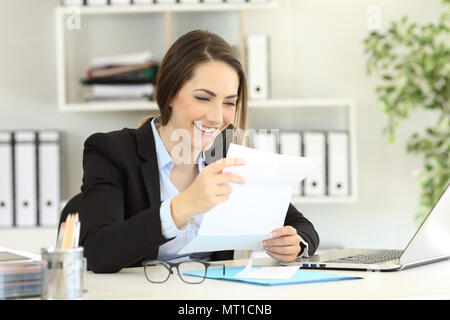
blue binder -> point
(302, 276)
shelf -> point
(324, 199)
(300, 103)
(176, 7)
(109, 106)
(255, 104)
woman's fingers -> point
(282, 257)
(282, 241)
(221, 164)
(228, 177)
(284, 244)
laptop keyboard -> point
(370, 258)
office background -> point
(316, 53)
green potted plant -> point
(412, 63)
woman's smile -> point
(205, 130)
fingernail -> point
(273, 234)
(264, 243)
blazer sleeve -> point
(304, 228)
(110, 242)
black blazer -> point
(120, 202)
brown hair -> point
(178, 65)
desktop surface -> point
(425, 282)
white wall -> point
(316, 52)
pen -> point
(61, 235)
(76, 238)
(68, 235)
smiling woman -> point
(142, 199)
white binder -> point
(49, 163)
(314, 147)
(338, 163)
(258, 66)
(6, 180)
(72, 2)
(119, 2)
(265, 140)
(25, 178)
(96, 2)
(143, 2)
(290, 145)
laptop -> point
(431, 243)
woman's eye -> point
(202, 99)
(230, 104)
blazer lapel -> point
(147, 151)
(149, 168)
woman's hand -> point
(206, 191)
(284, 245)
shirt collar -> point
(164, 158)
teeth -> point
(204, 130)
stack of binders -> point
(30, 184)
(120, 77)
(332, 177)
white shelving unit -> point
(323, 107)
(63, 13)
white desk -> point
(426, 282)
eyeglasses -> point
(157, 271)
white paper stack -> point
(121, 59)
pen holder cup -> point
(63, 273)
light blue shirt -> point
(170, 249)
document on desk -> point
(255, 208)
(263, 272)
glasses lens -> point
(192, 271)
(156, 272)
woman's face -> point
(206, 104)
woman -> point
(144, 199)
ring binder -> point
(6, 180)
(25, 175)
(49, 180)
